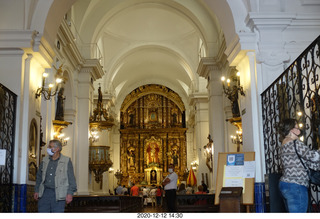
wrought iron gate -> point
(7, 130)
(296, 90)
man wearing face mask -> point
(170, 187)
(55, 182)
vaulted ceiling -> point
(148, 41)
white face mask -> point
(49, 152)
(170, 170)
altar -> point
(152, 135)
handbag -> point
(314, 176)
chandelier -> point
(237, 139)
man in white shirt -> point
(170, 187)
(124, 190)
(119, 189)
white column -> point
(251, 123)
(216, 120)
(24, 125)
(82, 162)
(210, 68)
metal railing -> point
(296, 90)
(87, 50)
(7, 135)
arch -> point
(155, 89)
(127, 90)
(223, 12)
(49, 14)
(119, 60)
(53, 19)
(190, 11)
(69, 88)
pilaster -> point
(211, 68)
(199, 102)
(24, 121)
(85, 90)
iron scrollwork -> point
(7, 126)
(297, 89)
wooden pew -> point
(104, 204)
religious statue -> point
(99, 113)
(174, 152)
(174, 116)
(131, 115)
(99, 96)
(208, 152)
(131, 158)
(233, 97)
(60, 105)
(153, 177)
(175, 158)
(152, 151)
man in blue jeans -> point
(55, 182)
(170, 188)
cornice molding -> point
(269, 20)
(16, 38)
(198, 98)
(94, 67)
(278, 21)
(68, 45)
(208, 64)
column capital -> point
(93, 68)
(198, 98)
(208, 64)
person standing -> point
(134, 191)
(170, 188)
(55, 182)
(124, 190)
(159, 195)
(119, 190)
(294, 182)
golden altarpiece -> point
(153, 135)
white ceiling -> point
(147, 41)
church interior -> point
(131, 86)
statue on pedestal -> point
(60, 105)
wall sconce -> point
(194, 165)
(186, 174)
(60, 137)
(47, 92)
(233, 93)
(237, 139)
(235, 88)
